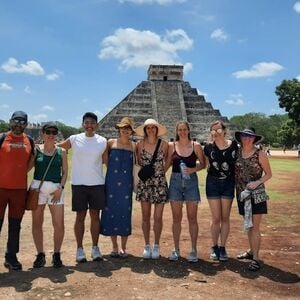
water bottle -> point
(182, 166)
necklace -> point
(49, 152)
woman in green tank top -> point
(51, 193)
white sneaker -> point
(147, 254)
(192, 257)
(175, 255)
(80, 255)
(96, 254)
(155, 252)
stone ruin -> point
(168, 99)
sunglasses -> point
(126, 128)
(53, 132)
(219, 130)
(246, 135)
(19, 122)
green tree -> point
(288, 93)
(66, 130)
(289, 133)
(4, 127)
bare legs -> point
(57, 214)
(158, 224)
(192, 209)
(220, 224)
(254, 236)
(94, 227)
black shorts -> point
(88, 197)
(257, 209)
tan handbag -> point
(32, 199)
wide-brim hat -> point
(249, 131)
(124, 123)
(162, 130)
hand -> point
(56, 195)
(252, 185)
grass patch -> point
(283, 165)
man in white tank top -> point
(87, 182)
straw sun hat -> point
(162, 130)
(124, 123)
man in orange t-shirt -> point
(15, 161)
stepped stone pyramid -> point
(166, 98)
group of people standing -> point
(230, 166)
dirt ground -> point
(135, 278)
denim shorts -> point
(184, 189)
(219, 188)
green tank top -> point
(41, 164)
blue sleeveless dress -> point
(116, 216)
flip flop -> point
(245, 255)
(254, 265)
(123, 254)
(114, 254)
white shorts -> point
(48, 187)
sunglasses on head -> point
(53, 132)
(19, 122)
(214, 131)
(246, 135)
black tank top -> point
(190, 160)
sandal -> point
(123, 254)
(254, 265)
(114, 253)
(245, 255)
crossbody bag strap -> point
(155, 152)
(49, 164)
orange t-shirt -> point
(15, 154)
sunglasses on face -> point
(19, 122)
(246, 135)
(53, 132)
(214, 131)
(126, 128)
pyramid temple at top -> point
(168, 99)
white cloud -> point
(27, 90)
(4, 106)
(296, 7)
(5, 87)
(52, 76)
(48, 108)
(298, 77)
(39, 118)
(235, 99)
(262, 69)
(31, 67)
(219, 35)
(160, 2)
(140, 48)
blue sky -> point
(61, 58)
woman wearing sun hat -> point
(154, 190)
(252, 170)
(116, 216)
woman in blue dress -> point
(116, 217)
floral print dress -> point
(155, 189)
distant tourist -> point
(153, 191)
(221, 154)
(298, 148)
(268, 153)
(252, 170)
(87, 182)
(184, 186)
(51, 193)
(116, 217)
(16, 157)
(284, 148)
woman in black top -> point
(221, 155)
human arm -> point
(168, 161)
(64, 171)
(267, 174)
(200, 163)
(66, 144)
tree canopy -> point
(288, 93)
